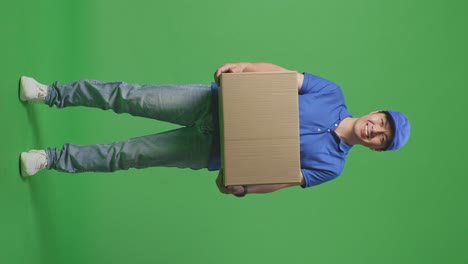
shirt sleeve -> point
(321, 169)
(316, 177)
(314, 84)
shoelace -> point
(42, 92)
(42, 162)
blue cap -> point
(401, 130)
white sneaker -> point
(31, 91)
(32, 162)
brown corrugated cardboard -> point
(259, 125)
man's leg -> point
(179, 104)
(183, 148)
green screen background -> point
(408, 206)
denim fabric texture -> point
(187, 105)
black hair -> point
(392, 126)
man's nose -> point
(377, 130)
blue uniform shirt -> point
(321, 109)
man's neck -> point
(345, 131)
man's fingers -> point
(235, 189)
(220, 70)
(225, 190)
(224, 68)
(219, 183)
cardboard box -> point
(259, 128)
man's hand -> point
(253, 67)
(263, 188)
(230, 68)
(227, 189)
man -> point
(327, 129)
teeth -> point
(367, 130)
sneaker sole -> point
(22, 169)
(21, 89)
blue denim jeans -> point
(186, 105)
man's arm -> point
(254, 67)
(264, 188)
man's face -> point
(374, 130)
